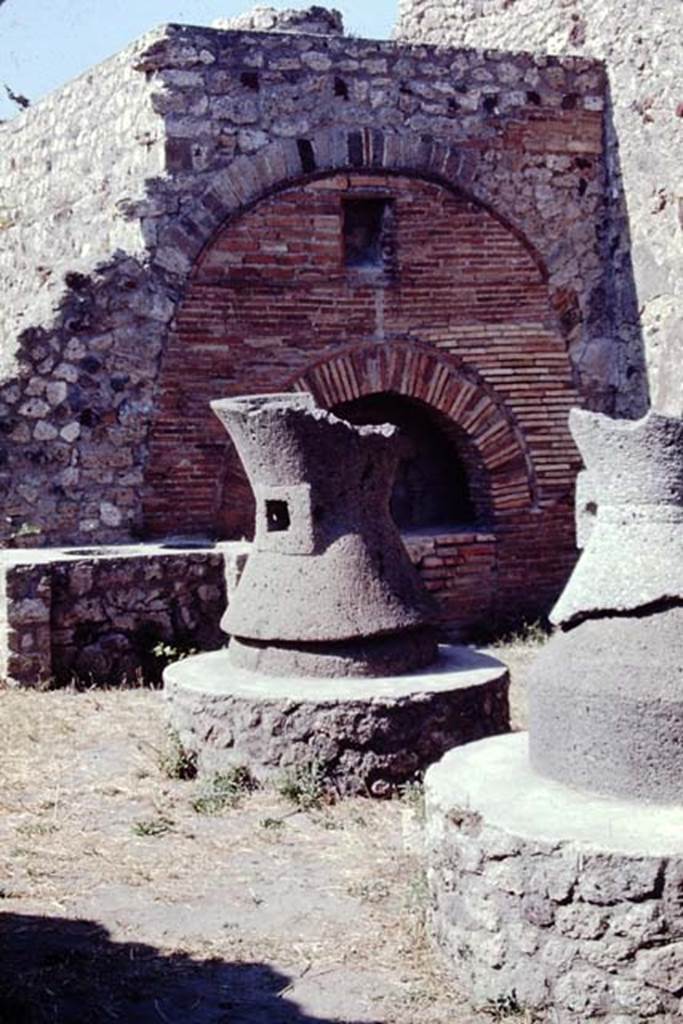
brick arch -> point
(447, 386)
(287, 162)
(271, 299)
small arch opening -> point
(440, 481)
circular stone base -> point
(363, 735)
(551, 899)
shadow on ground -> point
(59, 971)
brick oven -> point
(410, 233)
(388, 297)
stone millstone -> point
(568, 903)
(374, 656)
(556, 865)
(328, 568)
(619, 683)
(332, 663)
(364, 736)
(633, 480)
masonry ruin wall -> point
(187, 236)
(641, 47)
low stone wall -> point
(98, 614)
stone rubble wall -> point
(96, 616)
(367, 737)
(68, 166)
(597, 936)
(190, 126)
(82, 320)
(641, 45)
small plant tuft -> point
(371, 891)
(412, 794)
(417, 893)
(506, 1009)
(167, 653)
(154, 827)
(303, 786)
(36, 828)
(175, 761)
(224, 790)
(272, 824)
(528, 634)
(28, 530)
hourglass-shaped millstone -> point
(606, 694)
(328, 589)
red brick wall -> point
(462, 320)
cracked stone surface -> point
(633, 556)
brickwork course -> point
(175, 228)
(640, 45)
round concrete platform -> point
(364, 735)
(549, 897)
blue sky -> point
(44, 43)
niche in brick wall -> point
(440, 482)
(368, 235)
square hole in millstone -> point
(277, 516)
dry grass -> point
(125, 904)
(518, 651)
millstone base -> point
(550, 899)
(364, 735)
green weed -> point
(154, 827)
(529, 634)
(175, 761)
(412, 794)
(507, 1008)
(167, 653)
(36, 828)
(272, 823)
(224, 790)
(303, 786)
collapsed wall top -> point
(309, 21)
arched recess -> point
(249, 179)
(453, 390)
(461, 319)
(440, 483)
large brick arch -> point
(462, 320)
(446, 386)
(284, 162)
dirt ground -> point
(123, 902)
